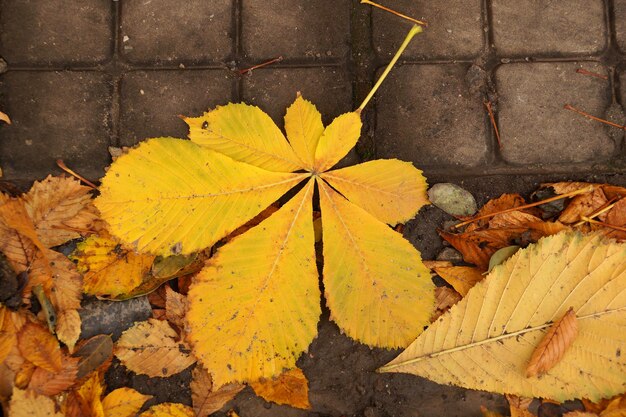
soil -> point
(342, 373)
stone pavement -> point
(85, 75)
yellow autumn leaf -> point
(254, 309)
(90, 393)
(244, 133)
(485, 341)
(391, 190)
(303, 125)
(150, 348)
(168, 410)
(108, 268)
(290, 388)
(123, 402)
(29, 404)
(338, 138)
(462, 278)
(163, 196)
(377, 289)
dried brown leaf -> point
(462, 278)
(176, 306)
(472, 252)
(504, 202)
(93, 353)
(38, 346)
(290, 388)
(552, 347)
(52, 383)
(583, 205)
(611, 191)
(205, 400)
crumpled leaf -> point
(123, 402)
(452, 199)
(444, 299)
(176, 306)
(505, 316)
(38, 346)
(150, 348)
(29, 404)
(583, 205)
(183, 185)
(290, 388)
(168, 410)
(554, 344)
(205, 400)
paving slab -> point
(56, 32)
(296, 29)
(167, 32)
(273, 90)
(55, 115)
(620, 23)
(427, 115)
(534, 127)
(530, 27)
(456, 29)
(152, 100)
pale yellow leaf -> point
(29, 404)
(254, 309)
(38, 346)
(303, 125)
(393, 191)
(244, 133)
(52, 203)
(377, 289)
(205, 400)
(171, 196)
(462, 278)
(68, 327)
(150, 348)
(338, 138)
(108, 268)
(168, 410)
(485, 340)
(290, 388)
(123, 402)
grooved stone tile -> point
(427, 115)
(296, 28)
(528, 27)
(620, 23)
(455, 29)
(534, 127)
(55, 31)
(167, 31)
(273, 90)
(152, 101)
(55, 115)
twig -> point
(261, 65)
(602, 209)
(414, 31)
(526, 206)
(487, 104)
(592, 74)
(64, 167)
(598, 222)
(597, 119)
(387, 9)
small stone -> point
(112, 317)
(450, 255)
(452, 199)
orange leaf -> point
(205, 400)
(555, 342)
(611, 191)
(52, 383)
(504, 202)
(13, 213)
(5, 118)
(290, 387)
(38, 346)
(471, 251)
(462, 278)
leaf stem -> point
(387, 9)
(414, 31)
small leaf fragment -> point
(462, 278)
(290, 388)
(554, 344)
(5, 118)
(502, 255)
(452, 199)
(176, 306)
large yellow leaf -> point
(254, 308)
(29, 404)
(391, 190)
(338, 138)
(303, 124)
(246, 134)
(486, 340)
(171, 196)
(108, 268)
(150, 348)
(123, 402)
(377, 288)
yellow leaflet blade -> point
(246, 134)
(377, 288)
(171, 196)
(303, 124)
(254, 309)
(485, 341)
(393, 191)
(338, 138)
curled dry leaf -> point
(150, 348)
(552, 347)
(123, 402)
(204, 398)
(290, 388)
(583, 205)
(5, 118)
(30, 404)
(462, 278)
(611, 191)
(38, 346)
(168, 410)
(176, 306)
